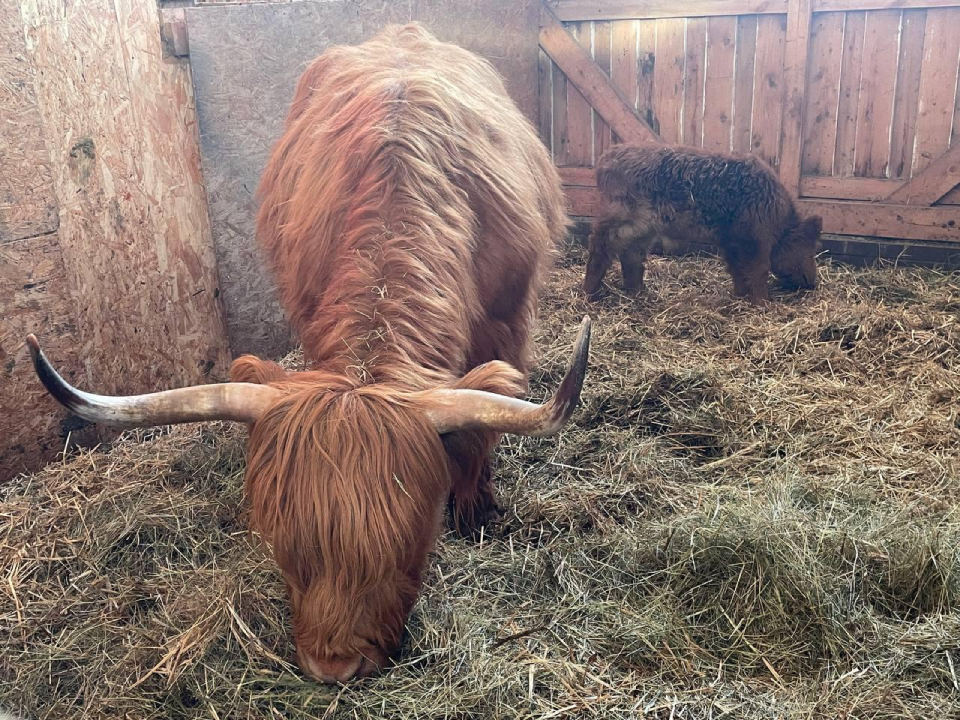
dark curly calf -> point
(684, 194)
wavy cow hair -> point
(409, 212)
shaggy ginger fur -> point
(734, 202)
(409, 211)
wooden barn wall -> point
(878, 93)
(105, 245)
(246, 61)
(881, 94)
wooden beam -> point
(935, 181)
(173, 31)
(951, 198)
(570, 10)
(824, 188)
(848, 188)
(845, 5)
(591, 81)
(841, 218)
(795, 78)
(891, 221)
(578, 176)
(574, 10)
(582, 201)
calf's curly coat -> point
(685, 194)
(409, 211)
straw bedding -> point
(754, 514)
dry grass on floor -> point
(755, 514)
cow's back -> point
(404, 161)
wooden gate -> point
(854, 102)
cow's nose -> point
(332, 671)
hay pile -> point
(754, 515)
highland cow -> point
(651, 192)
(409, 212)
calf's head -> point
(793, 259)
(346, 481)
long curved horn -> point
(240, 402)
(451, 409)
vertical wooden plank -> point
(743, 82)
(768, 88)
(718, 85)
(624, 69)
(668, 78)
(938, 86)
(579, 149)
(847, 108)
(955, 135)
(877, 85)
(907, 95)
(120, 125)
(797, 44)
(545, 100)
(694, 61)
(602, 56)
(560, 139)
(823, 94)
(647, 61)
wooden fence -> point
(854, 102)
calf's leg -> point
(750, 278)
(633, 263)
(599, 256)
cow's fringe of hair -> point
(347, 481)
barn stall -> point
(755, 512)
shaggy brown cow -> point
(409, 210)
(735, 202)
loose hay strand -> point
(753, 514)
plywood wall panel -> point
(137, 250)
(35, 297)
(27, 205)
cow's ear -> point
(496, 377)
(251, 369)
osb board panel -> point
(27, 204)
(34, 298)
(246, 61)
(137, 247)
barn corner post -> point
(796, 55)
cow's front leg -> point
(472, 502)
